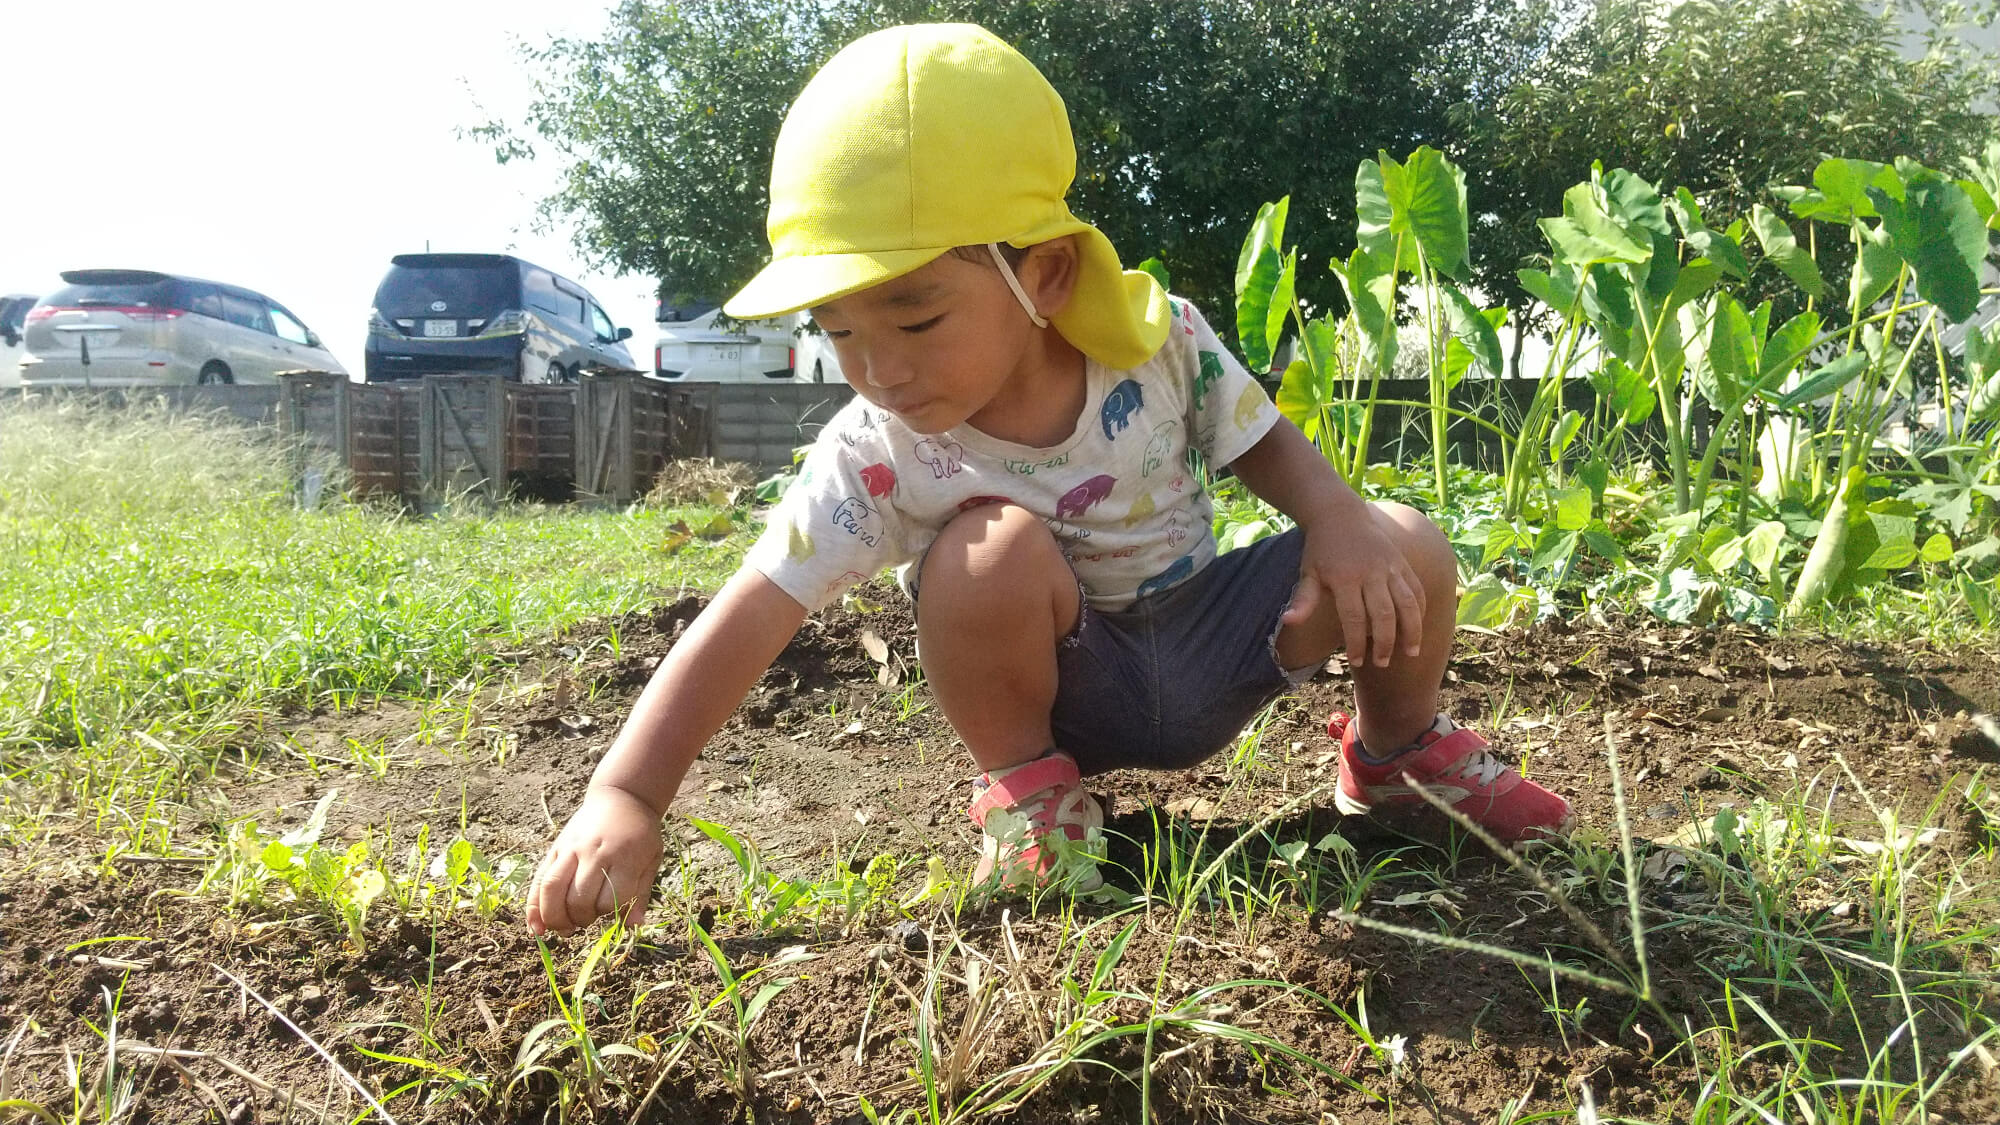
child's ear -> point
(1049, 272)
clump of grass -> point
(701, 481)
(160, 586)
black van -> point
(439, 313)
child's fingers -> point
(1305, 599)
(547, 910)
(1381, 620)
(1409, 612)
(635, 910)
(1353, 607)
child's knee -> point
(990, 553)
(1423, 543)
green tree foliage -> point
(1728, 98)
(1182, 112)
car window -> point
(464, 291)
(569, 303)
(241, 310)
(288, 327)
(202, 300)
(601, 324)
(135, 294)
(543, 296)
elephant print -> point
(1084, 496)
(1182, 568)
(1071, 532)
(846, 580)
(1176, 529)
(944, 457)
(1247, 405)
(880, 479)
(1211, 370)
(1141, 508)
(1125, 400)
(1159, 447)
(852, 516)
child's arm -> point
(608, 854)
(1375, 592)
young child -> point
(1020, 445)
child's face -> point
(938, 345)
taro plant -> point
(1411, 222)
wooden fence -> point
(608, 437)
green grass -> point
(160, 587)
(162, 594)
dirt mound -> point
(838, 756)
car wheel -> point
(213, 373)
(555, 373)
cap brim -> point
(790, 284)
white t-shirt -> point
(1130, 514)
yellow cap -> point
(918, 139)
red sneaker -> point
(1033, 800)
(1457, 766)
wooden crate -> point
(368, 429)
(623, 436)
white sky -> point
(290, 148)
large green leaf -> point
(1281, 302)
(1716, 246)
(1877, 266)
(1157, 270)
(1258, 267)
(1982, 359)
(1695, 279)
(1371, 295)
(1418, 205)
(1730, 353)
(1472, 330)
(1984, 183)
(1586, 234)
(1636, 204)
(1607, 303)
(1625, 389)
(1437, 211)
(1300, 397)
(1934, 227)
(1845, 183)
(1787, 348)
(1784, 251)
(1375, 229)
(1556, 289)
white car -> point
(13, 312)
(126, 328)
(697, 344)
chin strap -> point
(1014, 283)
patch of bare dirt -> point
(827, 760)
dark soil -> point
(823, 762)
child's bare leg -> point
(995, 597)
(1396, 703)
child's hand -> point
(604, 860)
(1375, 593)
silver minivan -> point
(125, 328)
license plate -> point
(440, 328)
(725, 354)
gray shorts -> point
(1169, 680)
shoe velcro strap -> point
(1024, 781)
(1453, 748)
